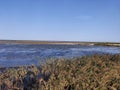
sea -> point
(12, 55)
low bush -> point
(97, 72)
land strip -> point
(59, 42)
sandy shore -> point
(59, 42)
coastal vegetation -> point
(96, 72)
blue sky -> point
(63, 20)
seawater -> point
(19, 54)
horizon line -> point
(58, 41)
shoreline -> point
(3, 68)
(33, 42)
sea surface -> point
(12, 55)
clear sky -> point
(63, 20)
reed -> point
(97, 72)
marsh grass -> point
(97, 72)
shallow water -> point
(18, 54)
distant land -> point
(59, 42)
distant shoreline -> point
(59, 42)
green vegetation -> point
(97, 72)
(107, 44)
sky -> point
(60, 20)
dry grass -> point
(97, 72)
